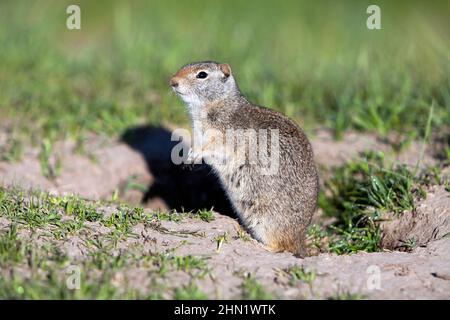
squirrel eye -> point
(202, 75)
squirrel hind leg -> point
(294, 244)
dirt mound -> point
(93, 177)
(430, 221)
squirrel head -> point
(204, 82)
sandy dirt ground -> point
(423, 273)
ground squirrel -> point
(263, 159)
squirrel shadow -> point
(181, 187)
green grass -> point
(188, 263)
(169, 216)
(46, 276)
(368, 183)
(299, 274)
(12, 150)
(202, 214)
(189, 292)
(57, 220)
(253, 290)
(357, 195)
(11, 249)
(345, 295)
(220, 240)
(68, 214)
(112, 74)
(206, 215)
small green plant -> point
(299, 274)
(48, 169)
(432, 176)
(316, 237)
(189, 263)
(346, 295)
(168, 216)
(220, 240)
(133, 184)
(253, 290)
(124, 219)
(242, 234)
(410, 244)
(189, 292)
(12, 249)
(206, 215)
(12, 151)
(162, 262)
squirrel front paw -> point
(193, 157)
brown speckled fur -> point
(275, 208)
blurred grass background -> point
(316, 61)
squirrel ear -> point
(226, 69)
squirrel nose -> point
(174, 82)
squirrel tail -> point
(292, 242)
